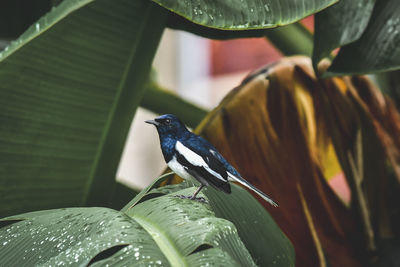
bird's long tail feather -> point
(253, 188)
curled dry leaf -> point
(267, 128)
(285, 132)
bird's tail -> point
(253, 188)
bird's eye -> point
(167, 121)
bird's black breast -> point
(167, 147)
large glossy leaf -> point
(378, 49)
(69, 87)
(190, 225)
(75, 236)
(339, 25)
(165, 231)
(177, 22)
(290, 39)
(244, 14)
(258, 231)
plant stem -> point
(293, 39)
(161, 101)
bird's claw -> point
(200, 199)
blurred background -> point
(201, 71)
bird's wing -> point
(210, 153)
(217, 163)
(201, 158)
(202, 164)
(201, 173)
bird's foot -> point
(200, 199)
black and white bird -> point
(191, 157)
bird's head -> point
(169, 125)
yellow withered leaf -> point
(268, 129)
(288, 133)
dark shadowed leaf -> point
(121, 195)
(378, 49)
(339, 25)
(17, 15)
(257, 229)
(69, 87)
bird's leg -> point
(193, 197)
(197, 191)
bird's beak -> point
(152, 122)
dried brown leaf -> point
(267, 129)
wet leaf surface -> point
(244, 14)
(163, 230)
(378, 49)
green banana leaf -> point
(266, 243)
(244, 14)
(378, 49)
(340, 25)
(75, 236)
(69, 88)
(156, 228)
(286, 34)
(82, 236)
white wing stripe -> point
(190, 156)
(195, 159)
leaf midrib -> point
(162, 240)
